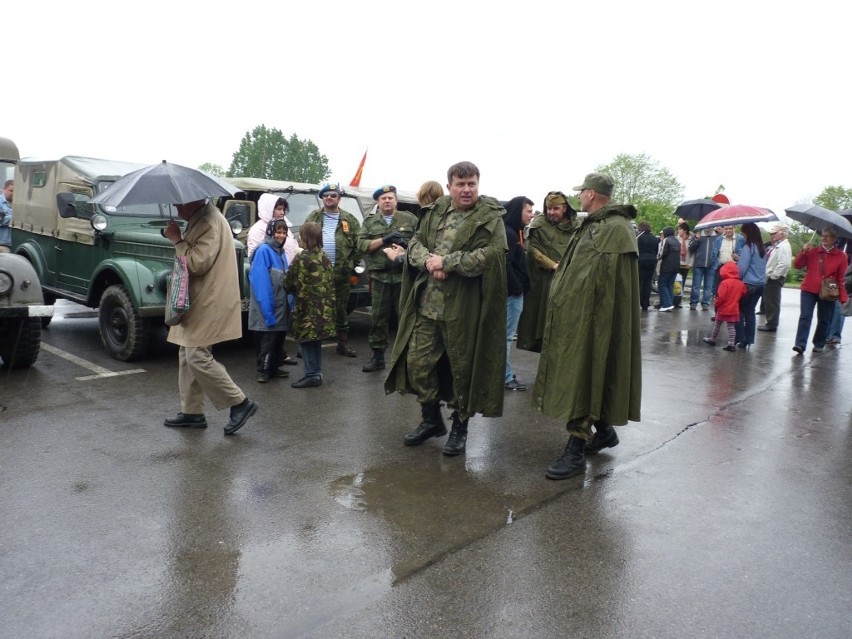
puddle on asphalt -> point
(430, 513)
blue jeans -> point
(702, 276)
(748, 322)
(837, 321)
(808, 301)
(665, 285)
(514, 306)
(312, 358)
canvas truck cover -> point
(39, 181)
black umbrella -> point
(818, 218)
(696, 209)
(163, 183)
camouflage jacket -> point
(381, 268)
(309, 278)
(347, 253)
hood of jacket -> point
(266, 206)
(513, 217)
(729, 270)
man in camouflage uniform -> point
(385, 227)
(340, 231)
(451, 344)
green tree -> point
(212, 169)
(650, 187)
(835, 198)
(266, 153)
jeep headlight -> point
(236, 226)
(99, 222)
(6, 283)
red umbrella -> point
(736, 214)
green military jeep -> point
(22, 311)
(112, 259)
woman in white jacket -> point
(270, 207)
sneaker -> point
(262, 378)
(708, 340)
(515, 385)
(692, 307)
(817, 349)
(705, 307)
(667, 309)
(833, 341)
(799, 349)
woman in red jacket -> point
(826, 260)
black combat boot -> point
(458, 437)
(377, 361)
(604, 437)
(432, 425)
(343, 346)
(572, 462)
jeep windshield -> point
(301, 204)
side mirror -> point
(67, 205)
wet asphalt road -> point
(727, 512)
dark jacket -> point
(701, 247)
(649, 245)
(517, 275)
(670, 255)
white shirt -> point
(780, 260)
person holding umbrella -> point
(214, 316)
(820, 263)
(752, 266)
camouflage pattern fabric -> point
(310, 279)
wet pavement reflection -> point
(726, 512)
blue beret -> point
(332, 186)
(382, 190)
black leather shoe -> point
(186, 420)
(377, 361)
(240, 414)
(457, 441)
(767, 329)
(307, 382)
(279, 373)
(432, 425)
(604, 437)
(343, 349)
(572, 462)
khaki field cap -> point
(597, 182)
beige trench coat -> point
(214, 291)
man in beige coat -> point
(213, 317)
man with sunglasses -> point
(340, 230)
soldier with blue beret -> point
(385, 227)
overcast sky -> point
(748, 94)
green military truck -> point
(112, 259)
(22, 307)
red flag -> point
(356, 181)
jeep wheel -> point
(20, 341)
(124, 334)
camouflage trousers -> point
(426, 347)
(582, 427)
(385, 304)
(341, 306)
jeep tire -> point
(20, 341)
(125, 335)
